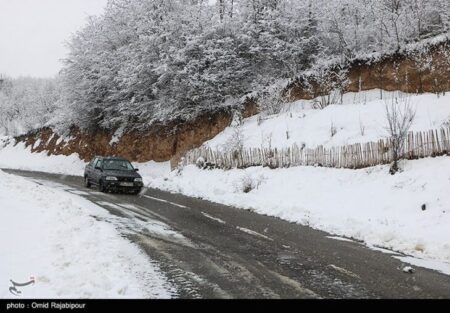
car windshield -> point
(118, 165)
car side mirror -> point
(98, 168)
(136, 170)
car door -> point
(90, 168)
(97, 172)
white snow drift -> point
(59, 239)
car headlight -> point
(111, 178)
(138, 180)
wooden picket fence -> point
(417, 145)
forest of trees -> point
(145, 62)
(27, 103)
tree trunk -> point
(221, 9)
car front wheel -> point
(87, 183)
(137, 191)
(101, 186)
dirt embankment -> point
(414, 72)
(160, 143)
(429, 73)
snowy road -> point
(209, 250)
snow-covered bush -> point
(200, 163)
(235, 144)
(327, 84)
(400, 115)
(247, 183)
(203, 164)
(272, 99)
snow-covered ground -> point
(18, 157)
(408, 212)
(367, 204)
(361, 118)
(61, 241)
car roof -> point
(111, 158)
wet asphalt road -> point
(209, 250)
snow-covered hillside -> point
(58, 238)
(360, 118)
(408, 212)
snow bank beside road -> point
(367, 204)
(20, 157)
(58, 239)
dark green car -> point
(113, 174)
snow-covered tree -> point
(27, 103)
(156, 61)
